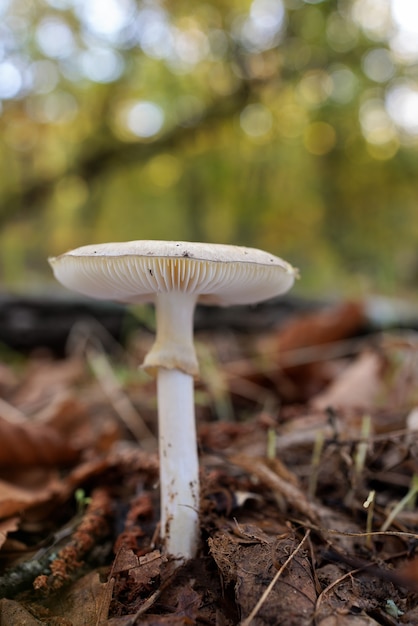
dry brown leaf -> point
(142, 569)
(30, 444)
(75, 418)
(148, 568)
(13, 613)
(250, 567)
(85, 603)
(325, 326)
(15, 499)
(358, 386)
(44, 378)
(298, 348)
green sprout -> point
(81, 499)
(402, 504)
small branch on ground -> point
(92, 529)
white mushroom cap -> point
(174, 275)
(136, 271)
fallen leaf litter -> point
(278, 547)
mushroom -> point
(175, 275)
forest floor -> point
(308, 445)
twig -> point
(144, 607)
(280, 487)
(331, 531)
(247, 621)
(93, 527)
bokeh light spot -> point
(375, 122)
(55, 38)
(154, 33)
(402, 105)
(10, 80)
(344, 84)
(315, 87)
(342, 35)
(384, 151)
(106, 19)
(374, 16)
(261, 29)
(256, 120)
(144, 119)
(404, 42)
(190, 47)
(378, 65)
(405, 14)
(101, 65)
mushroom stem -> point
(173, 347)
(173, 358)
(179, 468)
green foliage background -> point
(276, 133)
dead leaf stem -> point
(279, 486)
